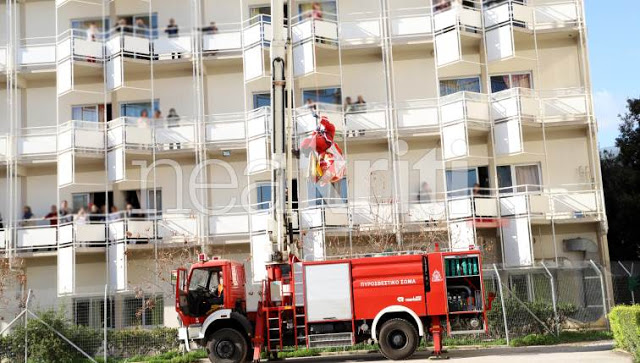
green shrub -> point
(521, 322)
(625, 324)
(46, 346)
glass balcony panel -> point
(230, 223)
(426, 211)
(37, 141)
(169, 47)
(228, 127)
(418, 113)
(37, 51)
(171, 133)
(460, 208)
(485, 207)
(66, 270)
(508, 137)
(32, 236)
(557, 15)
(462, 235)
(513, 205)
(516, 241)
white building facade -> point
(477, 129)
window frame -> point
(514, 187)
(440, 80)
(127, 303)
(264, 204)
(317, 89)
(93, 303)
(511, 74)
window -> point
(83, 24)
(261, 99)
(507, 81)
(80, 200)
(146, 311)
(460, 182)
(323, 95)
(264, 196)
(90, 312)
(133, 109)
(451, 86)
(152, 24)
(85, 113)
(526, 177)
(151, 204)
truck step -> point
(330, 340)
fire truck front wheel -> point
(398, 339)
(227, 346)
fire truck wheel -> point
(398, 339)
(227, 346)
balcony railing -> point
(81, 135)
(39, 51)
(411, 22)
(454, 14)
(464, 106)
(37, 141)
(257, 30)
(228, 38)
(225, 128)
(360, 28)
(305, 27)
(418, 114)
(4, 147)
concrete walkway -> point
(599, 352)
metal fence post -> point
(104, 343)
(26, 328)
(504, 310)
(553, 298)
(604, 297)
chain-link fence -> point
(625, 280)
(544, 299)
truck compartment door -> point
(328, 292)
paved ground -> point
(591, 353)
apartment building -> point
(470, 124)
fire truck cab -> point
(394, 301)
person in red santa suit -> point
(327, 162)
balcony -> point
(457, 28)
(418, 116)
(172, 47)
(37, 53)
(411, 24)
(82, 137)
(258, 138)
(130, 132)
(73, 44)
(360, 29)
(228, 39)
(82, 234)
(366, 121)
(178, 226)
(239, 222)
(134, 43)
(173, 135)
(37, 143)
(256, 38)
(226, 131)
(3, 57)
(565, 106)
(36, 235)
(462, 115)
(308, 118)
(323, 31)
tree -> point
(621, 184)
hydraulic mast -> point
(277, 228)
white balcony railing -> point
(4, 147)
(83, 135)
(35, 234)
(309, 116)
(37, 51)
(82, 233)
(361, 28)
(37, 141)
(411, 22)
(557, 14)
(515, 102)
(130, 131)
(417, 114)
(77, 44)
(225, 128)
(174, 134)
(368, 117)
(464, 106)
(455, 14)
(172, 47)
(257, 30)
(305, 27)
(228, 38)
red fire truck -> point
(392, 300)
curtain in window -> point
(451, 86)
(521, 80)
(528, 178)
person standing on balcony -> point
(425, 193)
(122, 26)
(157, 115)
(143, 120)
(81, 217)
(114, 215)
(348, 105)
(92, 32)
(141, 28)
(52, 216)
(361, 104)
(316, 11)
(211, 28)
(173, 120)
(27, 215)
(65, 216)
(172, 29)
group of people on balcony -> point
(358, 106)
(64, 215)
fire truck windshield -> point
(205, 279)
